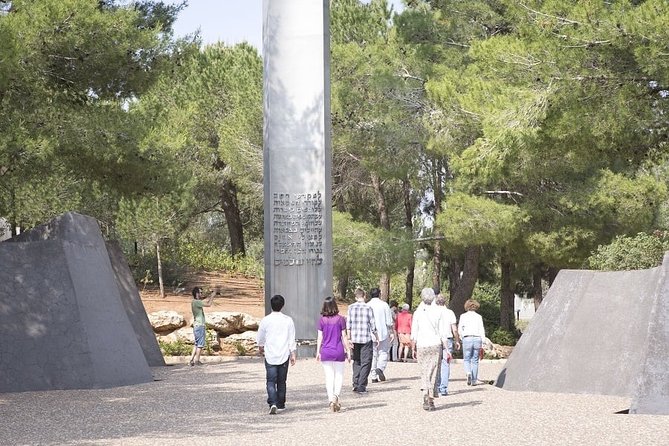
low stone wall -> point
(235, 331)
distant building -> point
(523, 308)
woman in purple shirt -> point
(331, 350)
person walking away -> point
(276, 341)
(361, 329)
(403, 329)
(199, 323)
(332, 349)
(472, 331)
(394, 343)
(451, 333)
(383, 321)
(426, 333)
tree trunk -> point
(408, 224)
(160, 271)
(437, 264)
(506, 316)
(437, 258)
(552, 274)
(463, 279)
(342, 286)
(537, 290)
(233, 217)
(408, 290)
(384, 286)
(381, 207)
(384, 222)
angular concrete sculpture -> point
(601, 333)
(297, 158)
(63, 323)
(133, 306)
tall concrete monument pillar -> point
(297, 158)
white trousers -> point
(380, 358)
(334, 377)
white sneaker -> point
(272, 410)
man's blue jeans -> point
(445, 368)
(470, 353)
(276, 384)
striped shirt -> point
(360, 323)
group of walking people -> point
(434, 335)
(365, 338)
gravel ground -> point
(224, 403)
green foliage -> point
(557, 105)
(488, 295)
(182, 348)
(503, 337)
(69, 69)
(149, 219)
(630, 252)
(468, 220)
(210, 342)
(362, 250)
(177, 348)
(200, 254)
(241, 350)
(207, 116)
(144, 267)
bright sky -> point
(230, 21)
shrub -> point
(210, 342)
(626, 253)
(208, 256)
(503, 337)
(241, 350)
(488, 295)
(178, 348)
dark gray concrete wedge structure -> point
(63, 324)
(601, 333)
(133, 305)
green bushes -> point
(177, 259)
(488, 295)
(207, 256)
(626, 253)
(177, 348)
(503, 337)
(182, 348)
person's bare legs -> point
(195, 357)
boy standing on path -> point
(276, 341)
(199, 327)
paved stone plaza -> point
(224, 403)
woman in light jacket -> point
(472, 333)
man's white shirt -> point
(276, 333)
(383, 317)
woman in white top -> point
(428, 335)
(472, 333)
